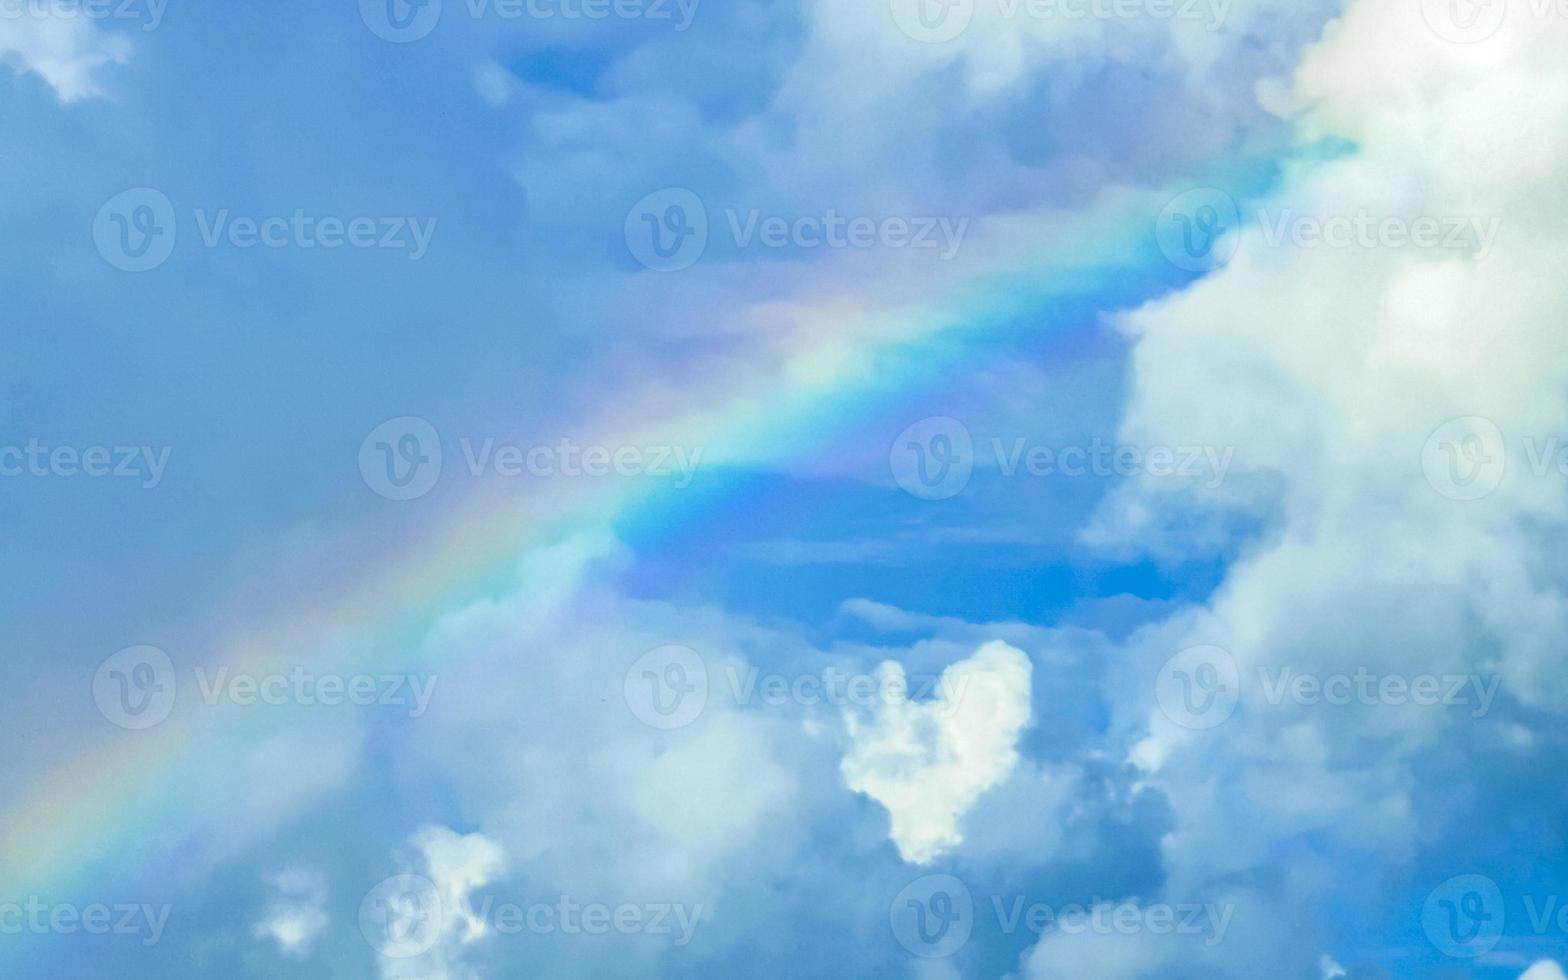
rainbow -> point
(113, 813)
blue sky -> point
(896, 488)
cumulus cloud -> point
(596, 801)
(928, 762)
(66, 51)
(1333, 371)
(1543, 970)
(297, 913)
(454, 865)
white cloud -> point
(68, 52)
(455, 864)
(297, 913)
(1328, 369)
(1543, 970)
(928, 762)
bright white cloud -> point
(1543, 970)
(297, 913)
(1329, 369)
(455, 865)
(928, 762)
(68, 52)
